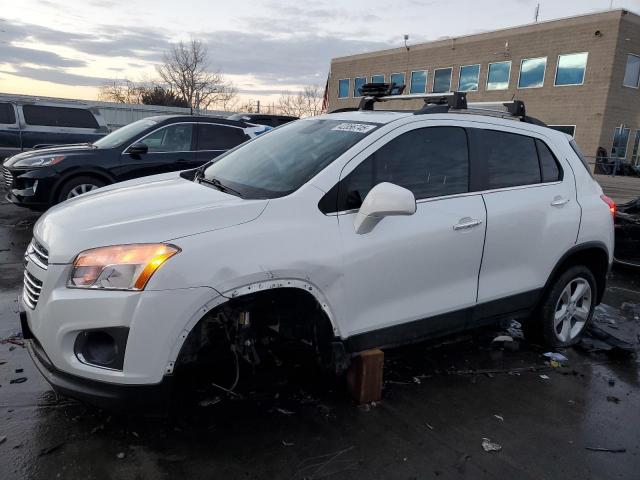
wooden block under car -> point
(364, 377)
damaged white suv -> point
(346, 231)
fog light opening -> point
(102, 348)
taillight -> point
(610, 203)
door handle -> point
(466, 223)
(559, 201)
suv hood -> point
(57, 150)
(147, 210)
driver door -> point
(170, 148)
(412, 276)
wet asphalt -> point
(439, 402)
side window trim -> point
(126, 150)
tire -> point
(566, 309)
(77, 186)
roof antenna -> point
(537, 12)
(406, 38)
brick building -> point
(579, 74)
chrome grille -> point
(38, 254)
(31, 290)
(8, 177)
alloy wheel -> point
(80, 189)
(572, 309)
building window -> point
(442, 80)
(498, 75)
(568, 129)
(399, 81)
(632, 71)
(570, 69)
(469, 76)
(532, 72)
(343, 88)
(419, 81)
(377, 78)
(635, 158)
(620, 141)
(358, 82)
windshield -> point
(281, 161)
(125, 133)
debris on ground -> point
(18, 380)
(120, 455)
(613, 399)
(490, 446)
(51, 449)
(499, 417)
(612, 381)
(505, 342)
(544, 377)
(14, 339)
(610, 450)
(3, 439)
(515, 330)
(287, 444)
(557, 357)
(19, 370)
(430, 427)
(284, 411)
(208, 402)
(605, 335)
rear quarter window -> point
(59, 116)
(7, 115)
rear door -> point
(412, 276)
(532, 215)
(9, 130)
(214, 139)
(170, 148)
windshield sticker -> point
(354, 127)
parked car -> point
(342, 232)
(30, 123)
(627, 227)
(44, 177)
(263, 119)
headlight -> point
(43, 161)
(119, 267)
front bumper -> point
(30, 188)
(112, 396)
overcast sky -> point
(69, 48)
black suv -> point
(40, 178)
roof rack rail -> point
(448, 102)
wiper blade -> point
(220, 186)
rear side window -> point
(59, 116)
(431, 162)
(219, 137)
(7, 114)
(548, 163)
(511, 159)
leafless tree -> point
(186, 71)
(227, 98)
(121, 91)
(305, 103)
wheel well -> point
(63, 181)
(287, 314)
(595, 258)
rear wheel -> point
(78, 186)
(566, 309)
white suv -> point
(346, 231)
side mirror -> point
(138, 149)
(383, 200)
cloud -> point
(57, 76)
(18, 55)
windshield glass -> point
(125, 133)
(281, 161)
